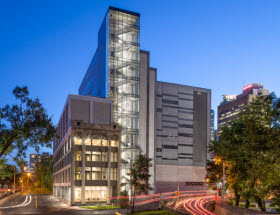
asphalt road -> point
(46, 204)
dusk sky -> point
(220, 45)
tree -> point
(251, 147)
(139, 176)
(24, 124)
(44, 173)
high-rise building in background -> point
(169, 123)
(212, 125)
(34, 158)
(232, 105)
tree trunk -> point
(248, 202)
(261, 203)
(237, 197)
(132, 211)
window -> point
(94, 194)
(96, 142)
(78, 175)
(78, 156)
(87, 142)
(104, 143)
(96, 156)
(96, 173)
(113, 174)
(77, 141)
(104, 156)
(88, 173)
(114, 143)
(77, 194)
(104, 173)
(114, 157)
(88, 153)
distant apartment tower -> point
(121, 72)
(34, 158)
(86, 163)
(212, 125)
(232, 105)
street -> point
(46, 204)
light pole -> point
(224, 179)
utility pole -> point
(224, 179)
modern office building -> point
(232, 105)
(212, 125)
(34, 158)
(177, 137)
(114, 73)
(86, 163)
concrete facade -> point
(182, 134)
(86, 161)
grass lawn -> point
(154, 213)
(101, 207)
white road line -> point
(25, 203)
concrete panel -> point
(101, 113)
(80, 110)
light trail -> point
(26, 202)
(195, 205)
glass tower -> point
(114, 73)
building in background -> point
(212, 125)
(34, 158)
(233, 105)
(177, 137)
(86, 163)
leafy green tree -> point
(44, 173)
(22, 125)
(139, 176)
(251, 147)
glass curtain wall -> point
(124, 58)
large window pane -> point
(77, 141)
(96, 142)
(104, 142)
(88, 155)
(78, 175)
(87, 142)
(78, 155)
(113, 174)
(96, 173)
(104, 156)
(77, 194)
(104, 173)
(96, 156)
(88, 175)
(114, 143)
(114, 157)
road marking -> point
(25, 203)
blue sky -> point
(220, 45)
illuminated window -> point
(96, 142)
(88, 156)
(113, 174)
(96, 156)
(78, 175)
(114, 143)
(88, 173)
(104, 156)
(114, 157)
(77, 194)
(78, 156)
(96, 173)
(104, 173)
(104, 143)
(77, 141)
(87, 142)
